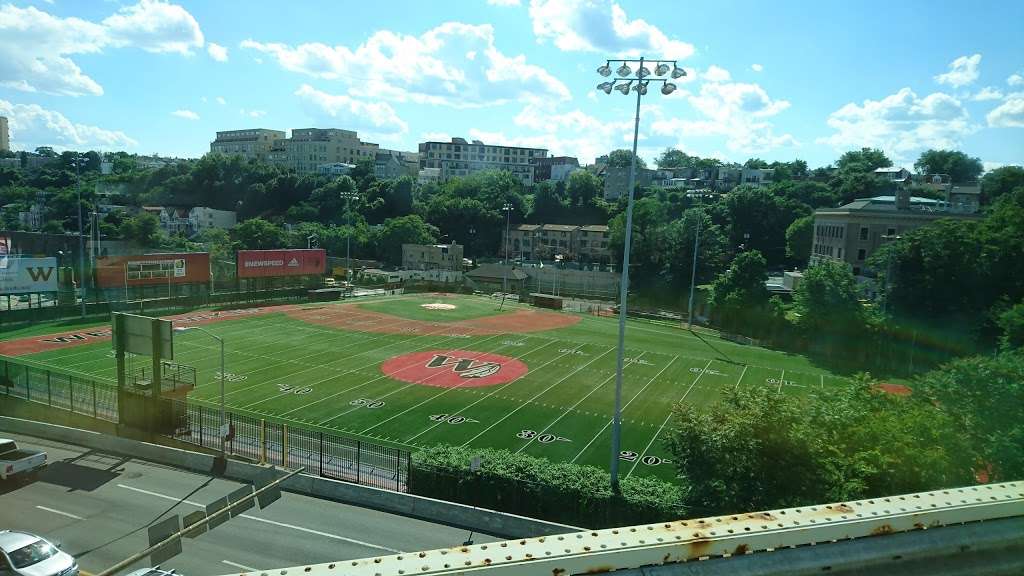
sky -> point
(778, 81)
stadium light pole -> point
(221, 432)
(348, 196)
(624, 83)
(693, 272)
(81, 237)
(508, 219)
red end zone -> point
(454, 368)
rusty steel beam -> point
(740, 536)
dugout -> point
(546, 301)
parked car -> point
(330, 283)
(18, 463)
(154, 571)
(25, 554)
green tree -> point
(623, 158)
(333, 198)
(755, 163)
(1011, 321)
(799, 237)
(548, 205)
(646, 253)
(739, 297)
(674, 158)
(829, 311)
(813, 194)
(677, 244)
(757, 219)
(402, 230)
(143, 229)
(960, 167)
(985, 396)
(258, 234)
(1001, 181)
(583, 188)
(864, 160)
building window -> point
(863, 232)
(861, 254)
(890, 231)
(839, 254)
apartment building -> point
(432, 257)
(251, 144)
(310, 148)
(5, 135)
(556, 168)
(390, 165)
(182, 221)
(853, 232)
(545, 241)
(462, 158)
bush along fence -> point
(536, 487)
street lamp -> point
(508, 219)
(222, 432)
(348, 196)
(624, 83)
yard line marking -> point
(538, 395)
(658, 433)
(570, 408)
(740, 379)
(69, 515)
(411, 384)
(822, 381)
(350, 388)
(634, 397)
(447, 390)
(782, 379)
(264, 520)
(239, 566)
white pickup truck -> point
(15, 462)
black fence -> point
(321, 453)
(74, 393)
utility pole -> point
(693, 271)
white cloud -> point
(1015, 80)
(186, 114)
(217, 52)
(503, 2)
(373, 117)
(32, 126)
(252, 113)
(962, 71)
(900, 123)
(435, 137)
(716, 74)
(433, 68)
(221, 101)
(1009, 114)
(757, 67)
(987, 93)
(601, 26)
(989, 166)
(35, 46)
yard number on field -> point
(285, 388)
(451, 418)
(630, 456)
(777, 381)
(697, 370)
(232, 377)
(367, 403)
(542, 438)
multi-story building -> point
(462, 158)
(334, 169)
(251, 144)
(728, 178)
(557, 168)
(521, 241)
(428, 175)
(757, 177)
(592, 243)
(556, 239)
(5, 135)
(390, 165)
(309, 148)
(853, 232)
(432, 257)
(893, 174)
(616, 180)
(191, 221)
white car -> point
(26, 554)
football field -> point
(418, 370)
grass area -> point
(284, 368)
(416, 308)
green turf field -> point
(282, 367)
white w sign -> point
(28, 276)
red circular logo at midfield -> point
(454, 368)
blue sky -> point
(778, 81)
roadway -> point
(98, 506)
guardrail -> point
(976, 530)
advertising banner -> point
(153, 270)
(271, 263)
(27, 275)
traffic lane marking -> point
(54, 511)
(265, 520)
(239, 566)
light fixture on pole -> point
(348, 196)
(605, 70)
(624, 84)
(222, 432)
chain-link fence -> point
(79, 394)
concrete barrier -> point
(477, 519)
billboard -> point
(270, 263)
(153, 270)
(27, 275)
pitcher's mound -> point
(438, 306)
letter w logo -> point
(40, 272)
(465, 367)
